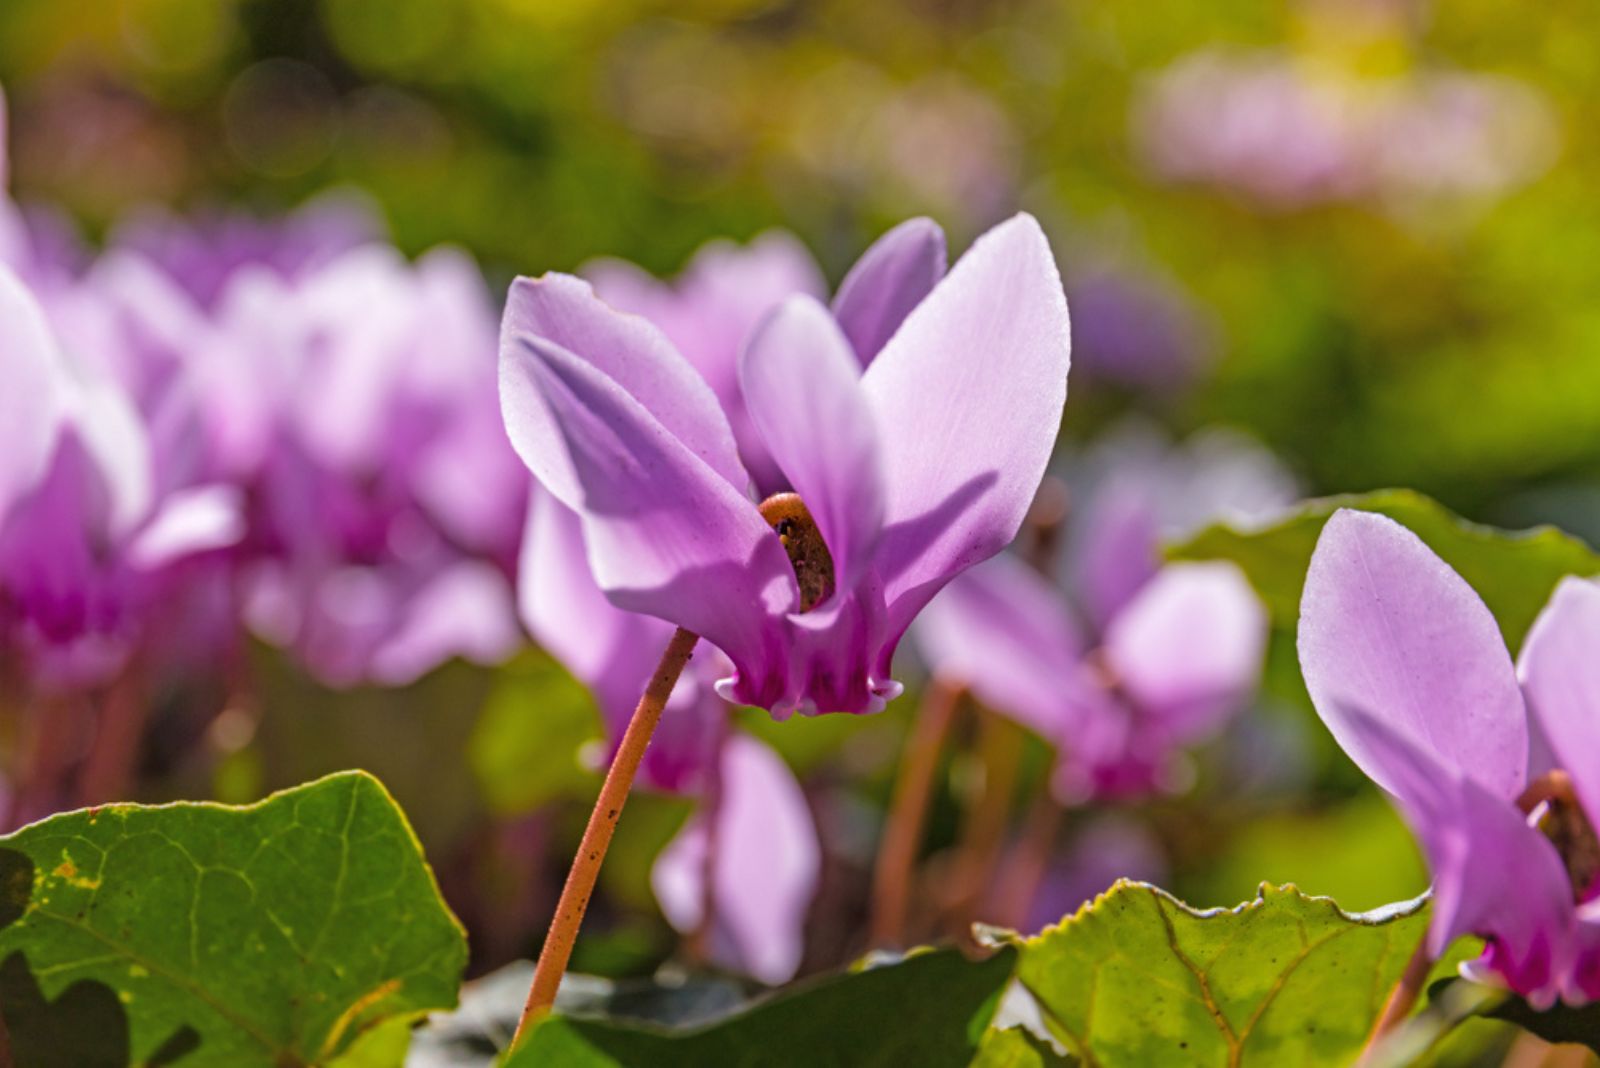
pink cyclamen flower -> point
(1181, 656)
(1127, 661)
(906, 474)
(1408, 669)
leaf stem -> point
(558, 943)
(913, 791)
(1402, 998)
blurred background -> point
(1362, 232)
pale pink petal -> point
(802, 385)
(1387, 626)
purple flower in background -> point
(1155, 658)
(1140, 330)
(202, 255)
(1288, 133)
(1408, 669)
(905, 474)
(767, 860)
(358, 402)
(88, 535)
(1180, 657)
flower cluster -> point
(285, 424)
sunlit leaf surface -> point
(276, 934)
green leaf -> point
(275, 934)
(929, 1010)
(1513, 572)
(1013, 1047)
(1138, 978)
(526, 749)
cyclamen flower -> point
(1499, 781)
(1128, 661)
(906, 474)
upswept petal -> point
(665, 534)
(1002, 630)
(889, 279)
(1188, 647)
(1494, 875)
(31, 400)
(626, 349)
(1560, 672)
(768, 860)
(802, 386)
(710, 311)
(1388, 626)
(968, 397)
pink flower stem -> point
(908, 810)
(984, 826)
(575, 894)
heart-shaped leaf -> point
(1138, 978)
(274, 934)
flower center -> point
(808, 553)
(1553, 804)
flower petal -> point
(1494, 875)
(1561, 681)
(31, 398)
(629, 351)
(1188, 648)
(968, 396)
(192, 520)
(1116, 548)
(802, 386)
(465, 610)
(666, 535)
(890, 278)
(767, 864)
(1388, 626)
(1003, 631)
(722, 295)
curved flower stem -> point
(913, 790)
(1402, 998)
(1026, 870)
(984, 826)
(574, 900)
